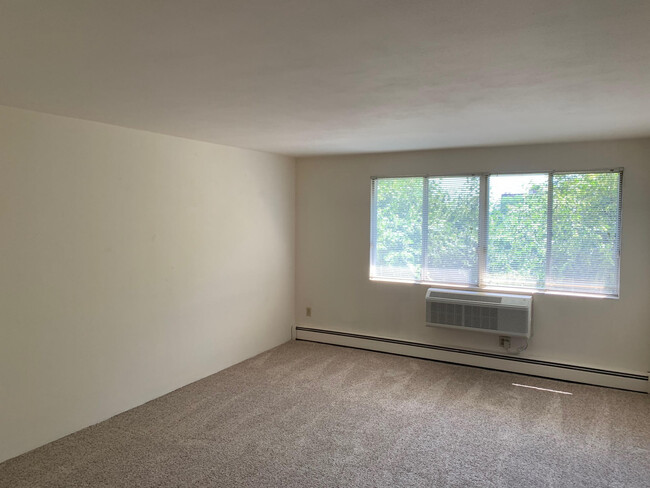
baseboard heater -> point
(513, 364)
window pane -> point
(516, 251)
(398, 228)
(452, 255)
(584, 252)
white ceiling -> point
(306, 77)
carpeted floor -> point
(310, 415)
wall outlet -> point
(504, 342)
(308, 311)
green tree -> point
(584, 230)
(516, 249)
(399, 227)
(453, 229)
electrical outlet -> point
(308, 311)
(504, 342)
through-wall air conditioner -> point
(494, 313)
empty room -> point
(309, 243)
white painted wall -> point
(131, 264)
(333, 222)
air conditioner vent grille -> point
(446, 313)
(455, 310)
(463, 315)
(480, 317)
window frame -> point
(483, 231)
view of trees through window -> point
(516, 248)
(398, 228)
(453, 230)
(556, 231)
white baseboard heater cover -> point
(494, 313)
(634, 381)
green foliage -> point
(453, 229)
(399, 227)
(584, 231)
(516, 254)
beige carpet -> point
(309, 415)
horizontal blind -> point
(453, 230)
(585, 223)
(516, 244)
(546, 231)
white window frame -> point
(483, 231)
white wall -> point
(131, 264)
(333, 222)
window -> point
(544, 231)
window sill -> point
(494, 289)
